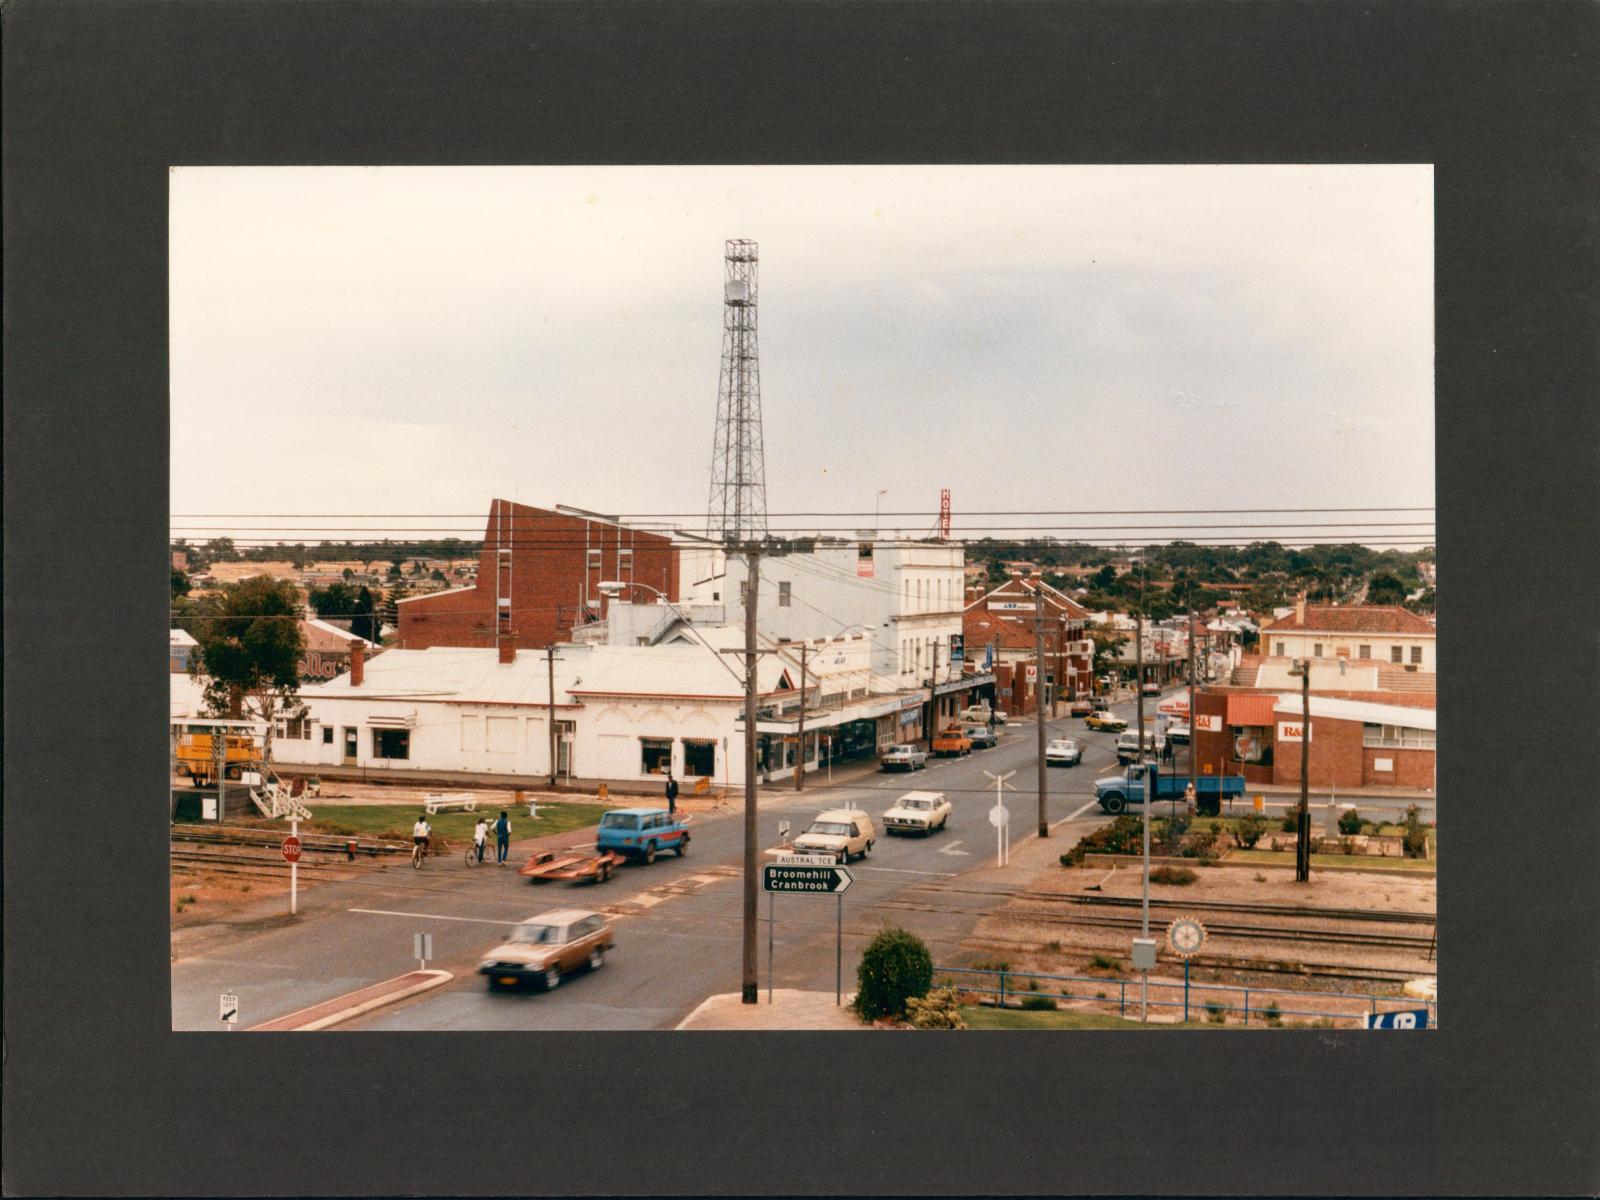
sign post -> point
(817, 874)
(230, 1010)
(1000, 818)
(422, 949)
(291, 855)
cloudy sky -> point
(420, 340)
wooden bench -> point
(438, 802)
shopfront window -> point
(391, 743)
(699, 756)
(1252, 744)
(655, 756)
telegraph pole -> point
(1302, 837)
(800, 764)
(550, 661)
(750, 982)
(1194, 782)
(1038, 698)
(933, 693)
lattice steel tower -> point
(738, 508)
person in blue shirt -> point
(502, 839)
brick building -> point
(538, 577)
(1004, 619)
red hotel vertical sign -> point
(944, 513)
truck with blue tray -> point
(1119, 792)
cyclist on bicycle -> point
(421, 833)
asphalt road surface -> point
(678, 922)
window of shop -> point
(1316, 649)
(1279, 651)
(1252, 744)
(327, 735)
(1397, 737)
(391, 743)
(294, 728)
(1416, 655)
(1363, 651)
(655, 756)
(699, 756)
(1395, 653)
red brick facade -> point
(549, 565)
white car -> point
(918, 812)
(1063, 752)
(1178, 732)
(904, 757)
(841, 832)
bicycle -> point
(419, 851)
(472, 854)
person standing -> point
(672, 795)
(480, 836)
(502, 838)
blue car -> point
(642, 833)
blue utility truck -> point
(1117, 793)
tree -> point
(365, 624)
(221, 550)
(250, 645)
(391, 602)
(1385, 588)
(1108, 644)
(438, 575)
(180, 583)
(349, 574)
(1104, 579)
(894, 967)
(335, 600)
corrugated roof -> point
(1362, 618)
(1361, 710)
(1251, 710)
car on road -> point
(904, 757)
(842, 832)
(1151, 689)
(642, 833)
(982, 714)
(918, 812)
(1081, 707)
(1063, 752)
(1128, 745)
(951, 740)
(544, 949)
(981, 737)
(1178, 732)
(1106, 720)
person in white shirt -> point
(421, 832)
(480, 835)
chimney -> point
(1300, 610)
(358, 662)
(508, 647)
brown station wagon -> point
(546, 947)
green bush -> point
(894, 967)
(1039, 1003)
(939, 1009)
(1350, 822)
(1249, 831)
(1414, 836)
(1105, 962)
(1215, 1013)
(1291, 821)
(1125, 835)
(1272, 1013)
(1177, 876)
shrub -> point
(1033, 984)
(1215, 1013)
(1177, 876)
(991, 964)
(1259, 877)
(1272, 1014)
(1350, 822)
(1347, 845)
(1105, 962)
(1054, 946)
(894, 967)
(939, 1009)
(1249, 831)
(1039, 1003)
(1124, 835)
(1414, 836)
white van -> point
(841, 832)
(1128, 745)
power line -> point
(920, 514)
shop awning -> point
(1251, 710)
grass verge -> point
(978, 1016)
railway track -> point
(1266, 933)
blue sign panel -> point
(958, 648)
(988, 657)
(1410, 1019)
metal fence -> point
(1216, 1001)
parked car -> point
(841, 832)
(1081, 707)
(981, 737)
(1063, 752)
(1128, 745)
(1105, 719)
(951, 740)
(1178, 732)
(1151, 689)
(642, 833)
(918, 812)
(542, 949)
(981, 713)
(904, 757)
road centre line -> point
(907, 871)
(384, 912)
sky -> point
(421, 340)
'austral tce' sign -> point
(818, 880)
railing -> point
(1007, 986)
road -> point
(678, 921)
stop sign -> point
(291, 849)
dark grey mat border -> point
(101, 97)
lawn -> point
(394, 821)
(979, 1016)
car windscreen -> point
(619, 821)
(830, 828)
(538, 934)
(916, 804)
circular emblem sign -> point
(1186, 935)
